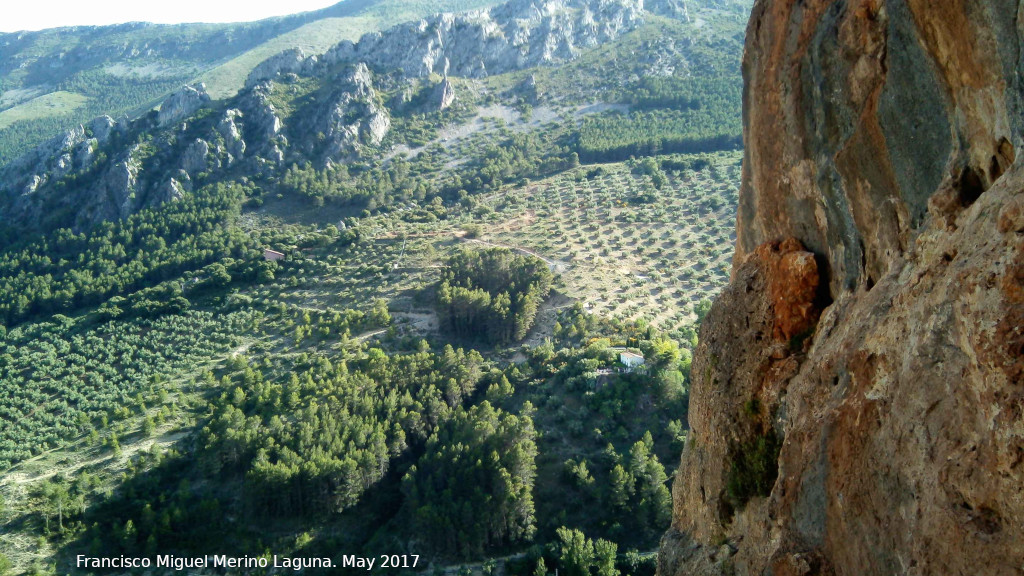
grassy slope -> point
(228, 78)
(52, 104)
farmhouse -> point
(631, 360)
(272, 255)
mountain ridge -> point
(519, 35)
(126, 68)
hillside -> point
(386, 299)
(52, 80)
(856, 399)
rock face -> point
(444, 95)
(672, 8)
(101, 128)
(261, 121)
(528, 88)
(515, 35)
(352, 115)
(194, 159)
(291, 61)
(182, 103)
(228, 130)
(858, 395)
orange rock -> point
(880, 145)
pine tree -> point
(576, 552)
(604, 558)
(620, 488)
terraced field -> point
(623, 259)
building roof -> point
(631, 355)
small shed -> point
(631, 360)
(272, 255)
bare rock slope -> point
(858, 396)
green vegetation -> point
(669, 115)
(227, 78)
(472, 491)
(575, 553)
(492, 295)
(220, 371)
(66, 271)
(307, 446)
(582, 557)
(432, 367)
(690, 104)
(116, 92)
(62, 379)
(616, 136)
(626, 248)
(52, 104)
(515, 157)
(754, 469)
(360, 185)
(101, 70)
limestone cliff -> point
(511, 36)
(858, 395)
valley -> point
(369, 307)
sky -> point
(19, 15)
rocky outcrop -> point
(194, 159)
(101, 128)
(527, 89)
(291, 61)
(262, 123)
(87, 175)
(61, 182)
(858, 392)
(444, 95)
(73, 151)
(114, 194)
(671, 8)
(182, 103)
(25, 174)
(229, 131)
(515, 35)
(171, 191)
(352, 116)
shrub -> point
(473, 230)
(754, 469)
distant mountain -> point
(338, 106)
(54, 79)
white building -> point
(630, 360)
